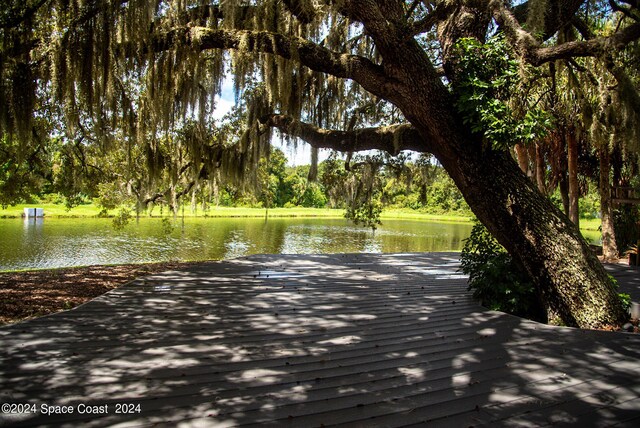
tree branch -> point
(439, 13)
(378, 25)
(391, 139)
(15, 18)
(627, 11)
(557, 14)
(592, 48)
(360, 69)
(530, 50)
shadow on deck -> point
(313, 340)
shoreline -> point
(53, 211)
(91, 212)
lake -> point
(53, 242)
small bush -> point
(495, 279)
(121, 219)
(167, 226)
(625, 298)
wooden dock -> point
(312, 340)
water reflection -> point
(46, 243)
(31, 223)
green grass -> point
(273, 212)
(91, 210)
(51, 210)
(400, 214)
(590, 224)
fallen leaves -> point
(36, 293)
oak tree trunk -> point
(568, 276)
(571, 280)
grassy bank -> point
(407, 214)
(60, 211)
(51, 210)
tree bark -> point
(609, 247)
(568, 275)
(574, 191)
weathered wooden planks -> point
(311, 340)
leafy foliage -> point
(122, 219)
(495, 279)
(626, 222)
(489, 77)
(624, 297)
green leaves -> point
(489, 96)
(495, 279)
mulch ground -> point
(36, 293)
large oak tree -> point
(124, 71)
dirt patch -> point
(36, 293)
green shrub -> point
(625, 298)
(167, 226)
(495, 279)
(121, 219)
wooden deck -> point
(314, 340)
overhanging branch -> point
(587, 48)
(391, 139)
(19, 14)
(532, 52)
(360, 69)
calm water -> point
(47, 243)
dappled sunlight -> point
(311, 340)
(290, 323)
(256, 376)
(342, 340)
(487, 332)
(413, 374)
(462, 360)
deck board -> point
(312, 340)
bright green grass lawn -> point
(91, 210)
(60, 211)
(51, 210)
(399, 214)
(272, 212)
(590, 224)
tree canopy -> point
(126, 72)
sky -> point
(299, 156)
